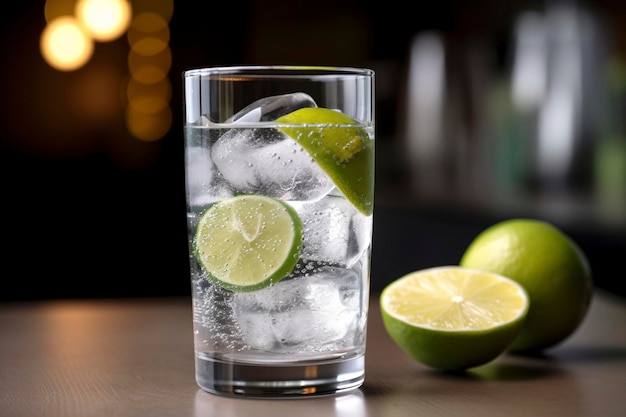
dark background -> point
(88, 211)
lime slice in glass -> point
(453, 318)
(340, 146)
(248, 242)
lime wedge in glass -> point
(340, 146)
(248, 242)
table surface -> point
(134, 357)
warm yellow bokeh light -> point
(149, 69)
(148, 74)
(68, 43)
(148, 24)
(148, 115)
(149, 46)
(58, 8)
(163, 8)
(105, 20)
(64, 45)
(148, 127)
(149, 98)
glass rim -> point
(280, 71)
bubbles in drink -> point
(321, 305)
(212, 312)
(334, 231)
(312, 313)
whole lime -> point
(550, 266)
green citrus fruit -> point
(341, 147)
(549, 265)
(248, 242)
(453, 318)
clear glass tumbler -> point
(280, 178)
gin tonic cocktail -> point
(279, 176)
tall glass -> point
(279, 176)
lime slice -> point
(453, 318)
(248, 242)
(340, 146)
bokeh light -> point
(150, 69)
(162, 8)
(65, 45)
(105, 20)
(148, 126)
(149, 98)
(58, 8)
(148, 114)
(148, 24)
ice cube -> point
(335, 232)
(203, 185)
(199, 167)
(309, 313)
(271, 108)
(266, 161)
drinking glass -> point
(279, 164)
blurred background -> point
(486, 110)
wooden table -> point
(134, 357)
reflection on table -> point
(134, 357)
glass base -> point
(286, 380)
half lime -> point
(248, 242)
(453, 318)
